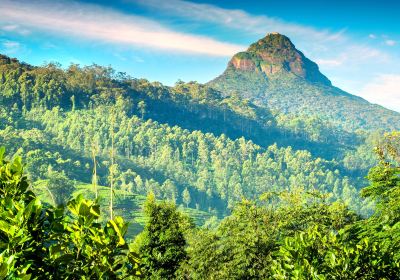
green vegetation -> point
(256, 175)
(216, 171)
(206, 157)
(39, 241)
(290, 234)
(162, 244)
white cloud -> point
(15, 28)
(372, 36)
(383, 90)
(330, 62)
(238, 19)
(87, 21)
(10, 47)
(390, 43)
(138, 59)
(11, 44)
(353, 54)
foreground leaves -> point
(39, 241)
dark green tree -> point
(162, 245)
(60, 188)
(186, 197)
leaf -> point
(16, 166)
(2, 153)
(95, 210)
(118, 231)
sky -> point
(356, 43)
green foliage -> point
(82, 246)
(217, 171)
(239, 249)
(162, 243)
(366, 249)
(296, 234)
(385, 178)
(59, 187)
(186, 197)
(245, 245)
(21, 223)
(44, 242)
(316, 254)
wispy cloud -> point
(390, 43)
(15, 28)
(10, 47)
(385, 39)
(354, 54)
(384, 90)
(88, 21)
(333, 62)
(238, 19)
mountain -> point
(272, 73)
(276, 57)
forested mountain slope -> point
(195, 106)
(274, 74)
(188, 143)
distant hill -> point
(274, 74)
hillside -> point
(275, 75)
(195, 106)
(210, 153)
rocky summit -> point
(276, 55)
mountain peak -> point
(273, 40)
(276, 56)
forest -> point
(99, 180)
(289, 234)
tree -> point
(113, 169)
(142, 108)
(162, 242)
(59, 186)
(186, 197)
(240, 248)
(21, 251)
(73, 102)
(383, 228)
(139, 184)
(169, 189)
(385, 180)
(94, 151)
(88, 249)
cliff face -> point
(242, 64)
(275, 55)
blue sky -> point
(356, 43)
